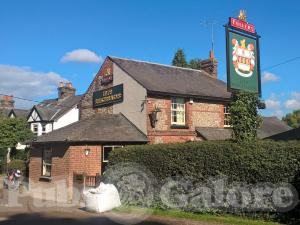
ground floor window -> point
(105, 153)
(47, 162)
(107, 150)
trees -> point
(195, 64)
(180, 61)
(12, 131)
(244, 116)
(293, 119)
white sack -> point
(102, 199)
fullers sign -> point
(243, 62)
(108, 96)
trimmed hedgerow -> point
(263, 161)
(198, 162)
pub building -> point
(136, 102)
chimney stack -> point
(210, 65)
(65, 90)
(7, 102)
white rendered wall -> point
(71, 116)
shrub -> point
(17, 164)
(197, 162)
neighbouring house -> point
(290, 135)
(18, 113)
(52, 114)
(270, 126)
(132, 102)
(7, 108)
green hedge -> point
(264, 161)
(249, 163)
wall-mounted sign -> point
(243, 62)
(108, 96)
(107, 77)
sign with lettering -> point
(242, 25)
(108, 96)
(242, 53)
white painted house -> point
(53, 114)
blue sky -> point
(36, 35)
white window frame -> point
(109, 146)
(226, 116)
(44, 128)
(45, 164)
(173, 102)
(35, 125)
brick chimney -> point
(210, 65)
(65, 90)
(7, 102)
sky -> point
(45, 42)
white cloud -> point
(269, 77)
(272, 104)
(81, 55)
(296, 95)
(278, 113)
(25, 83)
(292, 104)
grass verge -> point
(223, 219)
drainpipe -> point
(8, 155)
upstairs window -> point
(47, 162)
(43, 129)
(35, 129)
(226, 117)
(178, 111)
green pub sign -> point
(243, 62)
(108, 96)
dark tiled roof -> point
(270, 126)
(293, 134)
(53, 109)
(210, 133)
(4, 111)
(20, 113)
(174, 80)
(98, 128)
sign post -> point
(243, 56)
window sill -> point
(45, 179)
(174, 126)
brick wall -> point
(86, 104)
(198, 114)
(66, 160)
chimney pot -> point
(69, 85)
(65, 90)
(210, 65)
(7, 102)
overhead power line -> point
(282, 63)
(35, 101)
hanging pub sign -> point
(108, 96)
(242, 53)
